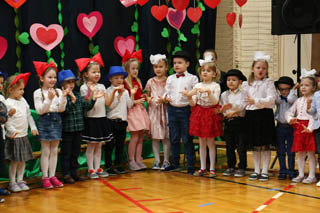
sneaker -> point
(282, 176)
(68, 179)
(212, 173)
(23, 186)
(309, 180)
(14, 187)
(254, 176)
(133, 166)
(165, 165)
(156, 165)
(297, 179)
(55, 182)
(239, 173)
(102, 173)
(172, 168)
(46, 183)
(141, 165)
(111, 172)
(4, 192)
(291, 177)
(264, 177)
(200, 172)
(318, 184)
(78, 177)
(2, 200)
(120, 170)
(92, 174)
(228, 172)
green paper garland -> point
(196, 31)
(61, 45)
(18, 48)
(135, 26)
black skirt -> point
(260, 129)
(1, 151)
(97, 130)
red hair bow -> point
(43, 66)
(83, 62)
(23, 76)
(128, 55)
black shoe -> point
(111, 172)
(254, 176)
(120, 170)
(264, 177)
(282, 176)
(190, 171)
(172, 168)
(292, 176)
(68, 179)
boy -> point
(179, 110)
(284, 131)
(233, 110)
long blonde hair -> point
(41, 84)
(82, 77)
(126, 67)
(7, 85)
(251, 77)
(211, 66)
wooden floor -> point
(170, 192)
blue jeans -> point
(285, 141)
(179, 129)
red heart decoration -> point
(121, 45)
(3, 46)
(180, 4)
(159, 12)
(241, 2)
(15, 3)
(128, 3)
(46, 36)
(194, 14)
(142, 2)
(176, 18)
(212, 3)
(231, 18)
(240, 20)
(90, 24)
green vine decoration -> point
(18, 48)
(135, 27)
(61, 45)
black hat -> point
(182, 54)
(238, 73)
(284, 80)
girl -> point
(138, 119)
(158, 110)
(96, 127)
(204, 122)
(17, 146)
(261, 95)
(303, 123)
(49, 102)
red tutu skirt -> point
(302, 141)
(204, 123)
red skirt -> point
(302, 141)
(204, 122)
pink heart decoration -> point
(128, 3)
(3, 46)
(46, 37)
(176, 18)
(231, 18)
(90, 24)
(121, 45)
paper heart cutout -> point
(159, 12)
(3, 46)
(240, 20)
(241, 2)
(212, 3)
(15, 3)
(194, 14)
(128, 3)
(90, 24)
(180, 4)
(121, 45)
(142, 2)
(176, 18)
(165, 33)
(231, 18)
(52, 31)
(24, 38)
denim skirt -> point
(50, 126)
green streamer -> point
(17, 34)
(135, 27)
(61, 45)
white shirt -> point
(236, 98)
(119, 109)
(99, 108)
(262, 91)
(21, 120)
(202, 99)
(3, 100)
(283, 106)
(175, 85)
(43, 106)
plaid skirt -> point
(18, 149)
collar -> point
(236, 91)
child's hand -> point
(305, 130)
(149, 99)
(134, 90)
(65, 92)
(98, 94)
(140, 101)
(185, 92)
(51, 93)
(73, 97)
(167, 99)
(293, 121)
(296, 86)
(34, 132)
(249, 100)
(309, 102)
(13, 135)
(91, 88)
(160, 100)
(11, 112)
(205, 90)
(226, 107)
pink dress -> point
(158, 113)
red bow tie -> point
(180, 75)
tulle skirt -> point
(302, 141)
(138, 118)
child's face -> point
(306, 87)
(69, 84)
(93, 74)
(284, 89)
(207, 75)
(134, 69)
(17, 91)
(318, 82)
(233, 82)
(180, 65)
(49, 79)
(214, 60)
(259, 70)
(116, 80)
(1, 82)
(160, 69)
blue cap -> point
(116, 70)
(3, 74)
(66, 75)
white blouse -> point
(203, 99)
(236, 98)
(99, 108)
(43, 104)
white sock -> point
(301, 163)
(256, 160)
(53, 158)
(312, 164)
(97, 156)
(166, 149)
(203, 152)
(266, 156)
(212, 152)
(20, 171)
(156, 149)
(13, 171)
(44, 159)
(89, 155)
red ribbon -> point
(84, 62)
(23, 76)
(43, 66)
(128, 55)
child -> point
(233, 108)
(17, 146)
(117, 115)
(138, 119)
(261, 96)
(97, 128)
(49, 102)
(204, 122)
(158, 110)
(72, 126)
(284, 131)
(179, 110)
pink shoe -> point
(46, 183)
(55, 182)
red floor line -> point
(130, 189)
(148, 200)
(125, 196)
(269, 201)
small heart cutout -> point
(240, 20)
(165, 33)
(3, 46)
(231, 18)
(142, 2)
(195, 29)
(46, 37)
(90, 24)
(180, 4)
(15, 3)
(212, 3)
(159, 12)
(176, 18)
(24, 38)
(241, 2)
(194, 14)
(121, 45)
(128, 3)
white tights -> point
(16, 169)
(302, 163)
(204, 142)
(93, 154)
(49, 157)
(156, 149)
(266, 156)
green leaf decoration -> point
(52, 59)
(168, 47)
(48, 53)
(134, 27)
(63, 55)
(176, 49)
(137, 47)
(171, 71)
(59, 6)
(201, 6)
(195, 30)
(62, 63)
(182, 37)
(24, 38)
(137, 38)
(91, 46)
(18, 51)
(198, 43)
(165, 33)
(60, 18)
(136, 14)
(95, 50)
(61, 45)
(65, 31)
(18, 65)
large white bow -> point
(207, 59)
(154, 59)
(260, 56)
(307, 73)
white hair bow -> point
(207, 59)
(307, 73)
(154, 59)
(260, 56)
